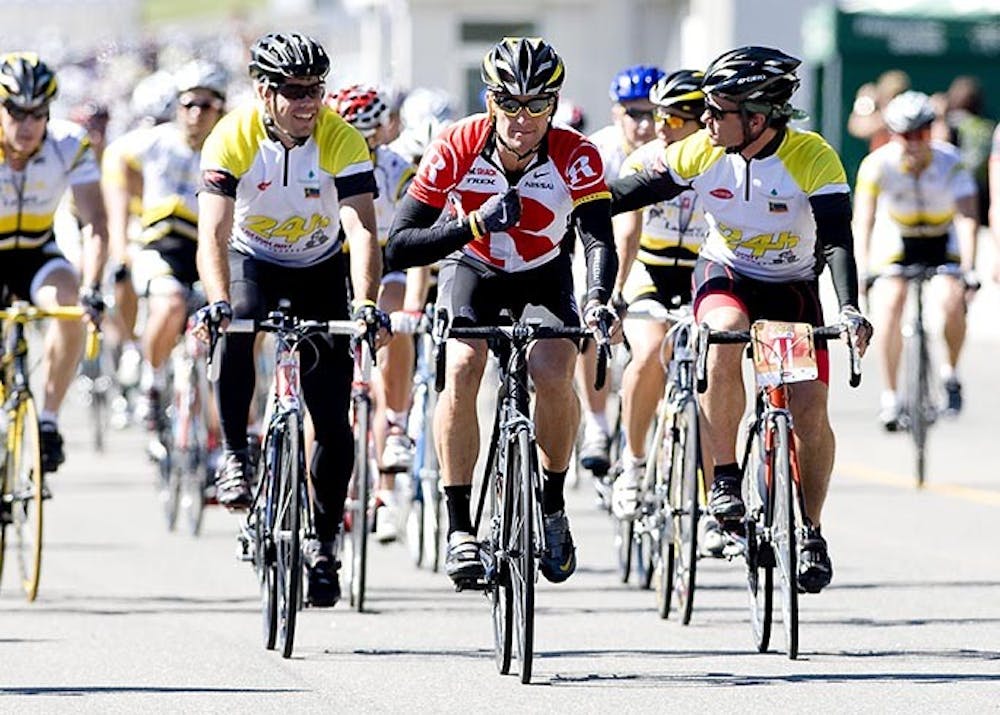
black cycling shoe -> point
(726, 500)
(322, 567)
(559, 560)
(463, 562)
(815, 568)
(51, 446)
(232, 485)
(953, 397)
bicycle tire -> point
(920, 402)
(264, 553)
(523, 472)
(758, 554)
(6, 499)
(685, 506)
(287, 541)
(169, 485)
(415, 523)
(663, 567)
(24, 463)
(432, 533)
(784, 531)
(501, 592)
(359, 505)
(644, 553)
(624, 531)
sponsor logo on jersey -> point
(539, 185)
(312, 192)
(777, 207)
(721, 193)
(262, 186)
(581, 170)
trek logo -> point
(721, 193)
(262, 186)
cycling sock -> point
(730, 470)
(49, 416)
(552, 491)
(598, 420)
(458, 499)
(396, 419)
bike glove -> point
(500, 211)
(93, 302)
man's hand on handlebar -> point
(602, 320)
(858, 326)
(375, 322)
(214, 316)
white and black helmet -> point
(908, 111)
(25, 81)
(760, 79)
(523, 66)
(278, 56)
(155, 97)
(199, 74)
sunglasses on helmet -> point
(300, 91)
(536, 106)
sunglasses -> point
(917, 134)
(201, 104)
(640, 114)
(718, 113)
(536, 106)
(671, 120)
(19, 115)
(301, 91)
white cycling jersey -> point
(611, 145)
(393, 174)
(911, 205)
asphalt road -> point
(133, 619)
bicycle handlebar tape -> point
(93, 347)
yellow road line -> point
(893, 479)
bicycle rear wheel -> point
(24, 467)
(359, 504)
(783, 532)
(758, 553)
(685, 497)
(287, 538)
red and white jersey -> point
(459, 168)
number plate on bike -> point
(783, 352)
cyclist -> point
(515, 184)
(282, 177)
(916, 203)
(777, 204)
(632, 127)
(424, 114)
(659, 245)
(159, 166)
(39, 159)
(365, 109)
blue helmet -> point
(634, 83)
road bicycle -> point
(513, 539)
(23, 491)
(775, 522)
(281, 515)
(423, 524)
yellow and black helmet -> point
(680, 92)
(523, 66)
(25, 81)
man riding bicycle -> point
(777, 203)
(511, 187)
(916, 204)
(39, 159)
(283, 179)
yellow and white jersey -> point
(759, 217)
(611, 145)
(287, 200)
(673, 231)
(393, 175)
(29, 198)
(170, 171)
(909, 204)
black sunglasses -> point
(201, 104)
(717, 113)
(300, 91)
(19, 115)
(536, 106)
(640, 114)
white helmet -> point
(424, 113)
(908, 111)
(199, 74)
(155, 97)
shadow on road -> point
(66, 690)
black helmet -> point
(523, 66)
(277, 56)
(761, 79)
(25, 81)
(680, 92)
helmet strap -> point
(276, 131)
(748, 138)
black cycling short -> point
(670, 286)
(20, 266)
(475, 294)
(175, 257)
(317, 292)
(929, 251)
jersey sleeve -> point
(814, 164)
(233, 143)
(869, 178)
(581, 165)
(74, 145)
(125, 151)
(436, 175)
(962, 183)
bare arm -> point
(357, 216)
(118, 196)
(864, 220)
(627, 228)
(967, 228)
(418, 281)
(90, 208)
(215, 225)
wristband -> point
(361, 303)
(474, 225)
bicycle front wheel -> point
(359, 504)
(24, 469)
(521, 479)
(784, 530)
(758, 552)
(685, 505)
(287, 538)
(264, 514)
(919, 404)
(501, 592)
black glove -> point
(212, 315)
(500, 211)
(122, 273)
(371, 316)
(93, 302)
